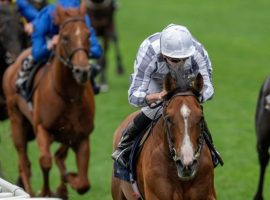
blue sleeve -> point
(39, 43)
(95, 48)
(27, 10)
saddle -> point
(29, 90)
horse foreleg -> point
(19, 137)
(79, 181)
(60, 157)
(44, 140)
(119, 67)
(263, 159)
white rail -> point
(10, 191)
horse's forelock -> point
(175, 80)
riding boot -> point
(122, 153)
(23, 75)
(95, 70)
(216, 158)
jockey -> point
(30, 11)
(174, 46)
(45, 28)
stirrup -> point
(118, 156)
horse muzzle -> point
(186, 172)
(81, 74)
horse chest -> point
(71, 125)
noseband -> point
(67, 61)
(172, 149)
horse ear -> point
(169, 82)
(197, 84)
(57, 18)
(83, 8)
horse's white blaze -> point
(78, 31)
(187, 148)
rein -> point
(67, 61)
(172, 149)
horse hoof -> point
(20, 183)
(62, 192)
(83, 190)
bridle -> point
(168, 132)
(67, 61)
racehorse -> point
(173, 163)
(63, 106)
(263, 132)
(12, 42)
(102, 13)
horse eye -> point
(168, 120)
(65, 39)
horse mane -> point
(62, 14)
(176, 81)
(9, 12)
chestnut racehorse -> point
(174, 163)
(263, 133)
(62, 106)
(102, 14)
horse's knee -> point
(46, 162)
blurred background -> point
(236, 36)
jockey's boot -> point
(95, 70)
(122, 152)
(23, 75)
(216, 158)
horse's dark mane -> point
(177, 82)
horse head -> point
(11, 33)
(182, 115)
(73, 46)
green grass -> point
(236, 35)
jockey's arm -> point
(95, 48)
(27, 10)
(144, 67)
(40, 48)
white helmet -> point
(176, 42)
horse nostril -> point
(76, 70)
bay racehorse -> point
(62, 106)
(174, 163)
(102, 14)
(262, 128)
(12, 42)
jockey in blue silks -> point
(45, 28)
(30, 11)
(27, 10)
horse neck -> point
(63, 80)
